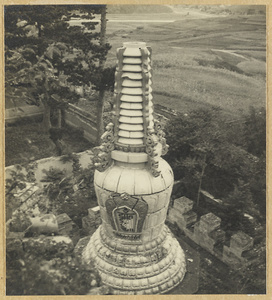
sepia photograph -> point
(135, 149)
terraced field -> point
(200, 59)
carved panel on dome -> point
(126, 214)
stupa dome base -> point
(136, 267)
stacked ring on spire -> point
(133, 91)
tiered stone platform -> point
(135, 268)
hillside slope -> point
(138, 9)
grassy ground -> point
(27, 142)
(201, 59)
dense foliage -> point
(47, 270)
(226, 158)
(72, 194)
(49, 55)
(31, 274)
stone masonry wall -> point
(207, 233)
(78, 118)
(52, 162)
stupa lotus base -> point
(134, 267)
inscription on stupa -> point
(127, 215)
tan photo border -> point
(268, 4)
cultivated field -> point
(199, 59)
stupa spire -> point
(134, 136)
(133, 250)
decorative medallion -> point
(126, 214)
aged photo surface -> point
(135, 149)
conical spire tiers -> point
(132, 89)
(134, 129)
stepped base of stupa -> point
(133, 267)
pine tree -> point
(47, 55)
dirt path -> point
(192, 13)
(231, 52)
